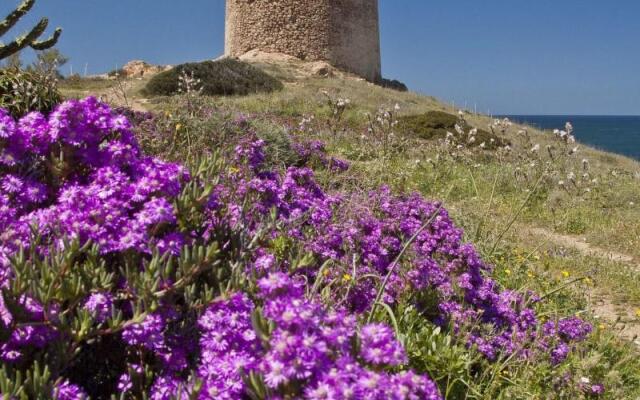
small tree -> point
(49, 61)
(29, 39)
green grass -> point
(86, 84)
(497, 196)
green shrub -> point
(434, 125)
(393, 84)
(224, 77)
(23, 91)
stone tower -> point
(344, 33)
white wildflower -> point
(568, 127)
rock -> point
(299, 67)
(267, 57)
(321, 68)
(139, 68)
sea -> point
(616, 134)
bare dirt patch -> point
(620, 316)
(582, 246)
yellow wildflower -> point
(346, 278)
(178, 126)
(565, 274)
(638, 312)
(507, 271)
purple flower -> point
(380, 347)
(169, 388)
(229, 347)
(597, 389)
(99, 306)
(149, 333)
(171, 243)
(264, 263)
(11, 184)
(7, 124)
(559, 353)
(68, 391)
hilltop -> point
(552, 216)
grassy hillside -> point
(554, 217)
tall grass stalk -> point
(517, 213)
(486, 213)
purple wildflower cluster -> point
(314, 151)
(558, 336)
(79, 173)
(311, 350)
(363, 237)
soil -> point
(620, 316)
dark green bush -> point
(393, 84)
(434, 125)
(24, 91)
(431, 125)
(224, 77)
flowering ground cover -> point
(237, 277)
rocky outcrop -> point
(139, 68)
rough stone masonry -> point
(344, 33)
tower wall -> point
(343, 32)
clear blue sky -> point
(506, 56)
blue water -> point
(610, 133)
